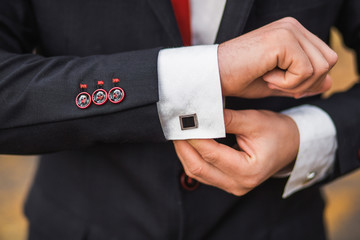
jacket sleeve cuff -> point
(190, 100)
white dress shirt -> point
(189, 83)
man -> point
(113, 176)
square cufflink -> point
(188, 121)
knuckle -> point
(333, 58)
(195, 171)
(281, 38)
(254, 179)
(320, 71)
(210, 156)
(236, 189)
(290, 20)
(283, 32)
(239, 187)
(188, 173)
(287, 26)
(324, 68)
(306, 73)
(251, 182)
(238, 193)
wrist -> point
(295, 136)
(224, 72)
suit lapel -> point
(164, 12)
(234, 18)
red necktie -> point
(182, 14)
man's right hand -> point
(279, 59)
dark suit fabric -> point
(107, 171)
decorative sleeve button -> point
(83, 99)
(116, 94)
(99, 96)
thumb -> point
(236, 122)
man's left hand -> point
(268, 142)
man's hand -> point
(268, 141)
(281, 59)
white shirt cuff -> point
(317, 149)
(189, 83)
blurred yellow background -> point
(343, 196)
(342, 213)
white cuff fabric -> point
(189, 83)
(317, 149)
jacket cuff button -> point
(188, 183)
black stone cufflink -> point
(188, 121)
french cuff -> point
(317, 148)
(190, 100)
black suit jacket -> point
(107, 171)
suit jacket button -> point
(188, 183)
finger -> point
(309, 87)
(323, 87)
(206, 173)
(321, 66)
(297, 27)
(226, 159)
(261, 89)
(323, 84)
(195, 167)
(322, 50)
(236, 122)
(329, 54)
(230, 162)
(322, 58)
(278, 92)
(294, 66)
(293, 83)
(242, 125)
(316, 88)
(326, 85)
(326, 51)
(231, 121)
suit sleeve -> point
(38, 113)
(344, 108)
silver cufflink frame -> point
(189, 121)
